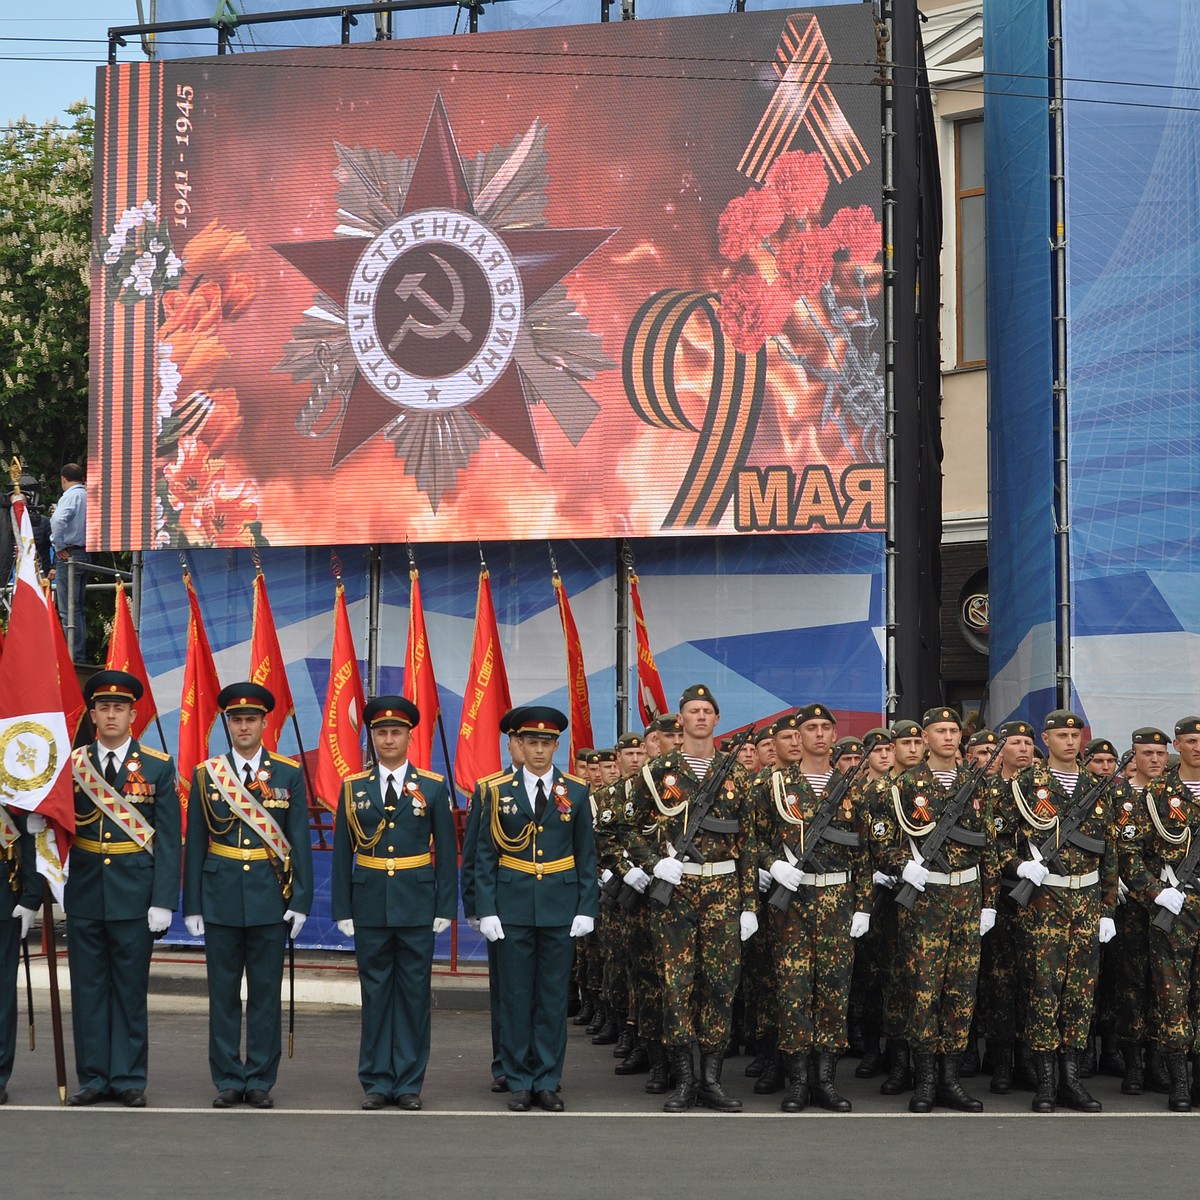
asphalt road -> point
(613, 1141)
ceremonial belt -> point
(954, 878)
(8, 830)
(220, 850)
(110, 802)
(394, 864)
(94, 847)
(704, 870)
(1073, 883)
(249, 810)
(553, 867)
(829, 879)
(1168, 876)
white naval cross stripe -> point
(248, 809)
(109, 801)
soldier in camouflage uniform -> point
(1062, 927)
(957, 905)
(829, 903)
(712, 904)
(612, 928)
(1153, 839)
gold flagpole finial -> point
(14, 472)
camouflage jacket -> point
(1154, 832)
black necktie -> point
(390, 797)
(247, 775)
(110, 769)
(539, 806)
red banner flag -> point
(580, 713)
(485, 698)
(198, 704)
(419, 684)
(266, 664)
(71, 694)
(125, 654)
(35, 750)
(339, 750)
(651, 699)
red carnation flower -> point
(747, 221)
(753, 310)
(856, 230)
(801, 181)
(805, 262)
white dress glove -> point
(764, 880)
(35, 823)
(346, 927)
(1171, 899)
(987, 921)
(441, 924)
(582, 926)
(747, 925)
(915, 874)
(473, 922)
(670, 869)
(194, 925)
(295, 922)
(785, 874)
(883, 879)
(158, 919)
(491, 928)
(26, 915)
(606, 876)
(1034, 871)
(859, 924)
(637, 879)
(1122, 890)
(1108, 929)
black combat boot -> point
(900, 1075)
(924, 1082)
(626, 1041)
(1112, 1058)
(598, 1018)
(1155, 1072)
(1071, 1091)
(796, 1071)
(1024, 1072)
(1043, 1069)
(1002, 1068)
(587, 1010)
(710, 1093)
(608, 1033)
(657, 1082)
(771, 1080)
(1087, 1061)
(1195, 1092)
(637, 1061)
(968, 1063)
(1178, 1099)
(684, 1095)
(950, 1092)
(764, 1052)
(872, 1059)
(825, 1091)
(1133, 1081)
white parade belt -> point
(704, 870)
(829, 879)
(1073, 883)
(954, 878)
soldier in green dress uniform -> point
(247, 888)
(122, 888)
(20, 894)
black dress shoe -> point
(548, 1100)
(259, 1098)
(86, 1096)
(132, 1098)
(521, 1101)
(227, 1098)
(3, 1095)
(373, 1101)
(410, 1102)
(499, 1084)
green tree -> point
(45, 249)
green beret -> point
(1015, 729)
(1187, 725)
(846, 745)
(699, 692)
(726, 745)
(629, 741)
(765, 733)
(584, 752)
(1062, 718)
(905, 729)
(982, 737)
(1098, 746)
(876, 737)
(935, 716)
(787, 721)
(1148, 736)
(605, 756)
(667, 723)
(814, 712)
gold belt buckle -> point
(245, 856)
(390, 864)
(538, 869)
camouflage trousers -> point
(999, 980)
(1175, 965)
(698, 944)
(814, 960)
(940, 940)
(614, 945)
(759, 985)
(1124, 995)
(646, 1010)
(1058, 950)
(878, 992)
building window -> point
(970, 256)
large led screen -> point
(594, 281)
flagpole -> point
(29, 991)
(56, 1021)
(623, 571)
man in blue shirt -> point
(68, 533)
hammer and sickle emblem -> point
(449, 320)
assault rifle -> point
(1067, 830)
(660, 891)
(782, 897)
(947, 828)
